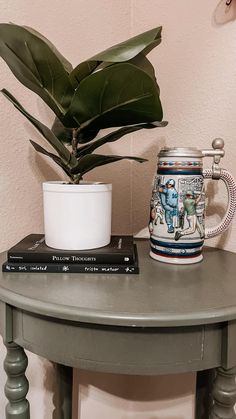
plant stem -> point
(77, 178)
(74, 142)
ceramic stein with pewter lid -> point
(177, 211)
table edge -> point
(97, 317)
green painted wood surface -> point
(17, 385)
(63, 393)
(224, 394)
(204, 398)
(161, 295)
(168, 319)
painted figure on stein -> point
(169, 202)
(190, 208)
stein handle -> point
(230, 211)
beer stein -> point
(177, 210)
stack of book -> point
(33, 255)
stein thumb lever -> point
(216, 152)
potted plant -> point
(115, 88)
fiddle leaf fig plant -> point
(116, 88)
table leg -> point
(224, 394)
(204, 399)
(17, 385)
(63, 399)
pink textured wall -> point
(195, 67)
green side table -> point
(169, 319)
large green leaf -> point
(52, 156)
(36, 65)
(119, 95)
(62, 133)
(116, 135)
(144, 64)
(82, 70)
(90, 161)
(67, 65)
(68, 159)
(139, 60)
(125, 51)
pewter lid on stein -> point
(180, 152)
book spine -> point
(73, 268)
(71, 259)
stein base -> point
(176, 261)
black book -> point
(33, 249)
(72, 267)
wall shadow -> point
(137, 388)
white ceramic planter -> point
(77, 217)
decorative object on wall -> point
(177, 213)
(115, 88)
(224, 12)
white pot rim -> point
(82, 187)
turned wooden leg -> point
(17, 385)
(63, 396)
(204, 399)
(224, 394)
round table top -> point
(162, 295)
